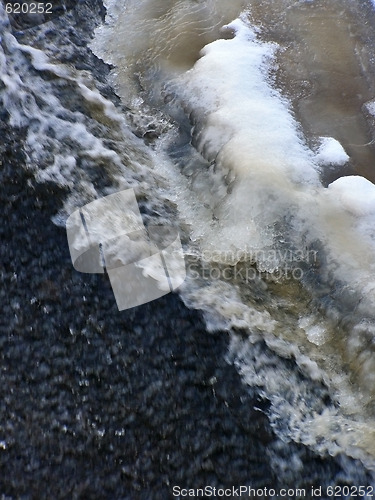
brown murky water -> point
(326, 69)
(326, 66)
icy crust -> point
(269, 199)
(331, 152)
(243, 114)
(260, 202)
(246, 129)
(357, 196)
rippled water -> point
(252, 121)
(248, 117)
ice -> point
(245, 121)
(331, 152)
(265, 196)
(356, 195)
(245, 126)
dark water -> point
(279, 107)
(102, 404)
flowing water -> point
(248, 125)
(258, 110)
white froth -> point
(61, 171)
(321, 426)
(246, 121)
(65, 145)
(356, 195)
(331, 152)
(315, 332)
(371, 105)
(246, 127)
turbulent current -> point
(249, 126)
(263, 126)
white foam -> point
(61, 171)
(356, 195)
(331, 152)
(321, 426)
(370, 106)
(64, 145)
(315, 332)
(243, 114)
(264, 192)
(246, 127)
